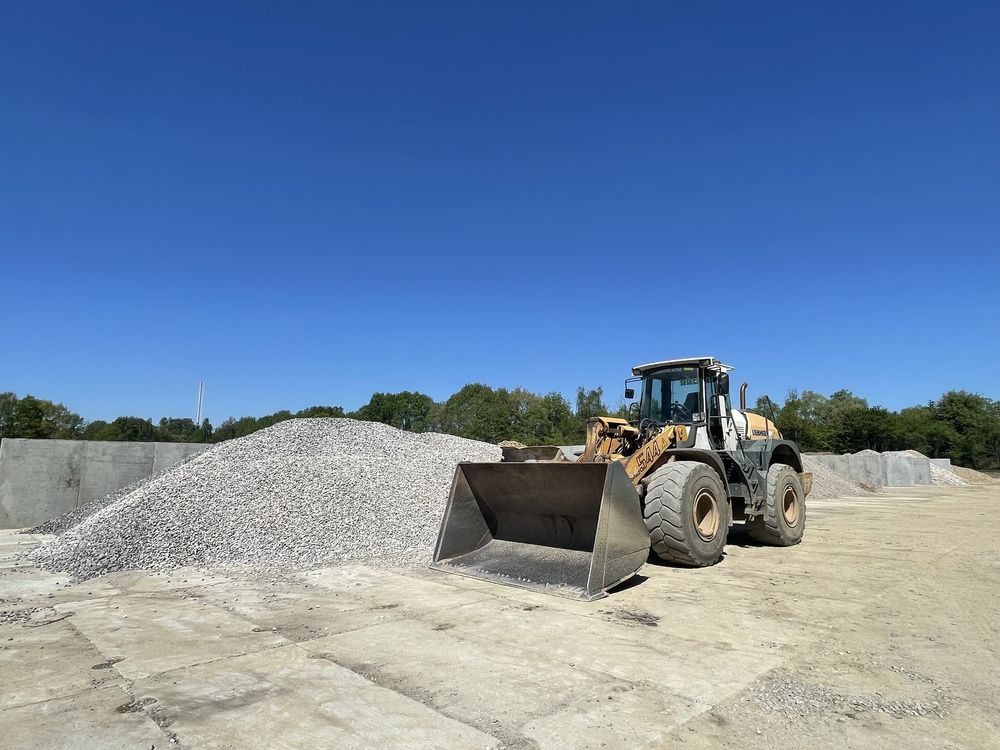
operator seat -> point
(691, 404)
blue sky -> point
(305, 203)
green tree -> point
(971, 416)
(872, 428)
(129, 429)
(234, 428)
(270, 420)
(96, 430)
(8, 406)
(921, 430)
(548, 420)
(991, 434)
(319, 411)
(180, 430)
(589, 403)
(478, 412)
(30, 417)
(842, 424)
(407, 410)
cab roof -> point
(693, 361)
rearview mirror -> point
(630, 393)
(723, 383)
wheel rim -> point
(790, 505)
(706, 515)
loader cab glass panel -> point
(672, 394)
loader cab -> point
(687, 391)
(671, 395)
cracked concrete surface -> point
(880, 630)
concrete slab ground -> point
(879, 631)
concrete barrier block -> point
(36, 485)
(833, 462)
(166, 455)
(842, 464)
(898, 471)
(942, 463)
(570, 451)
(868, 468)
(921, 470)
(109, 466)
(903, 469)
(42, 479)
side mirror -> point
(630, 393)
(723, 383)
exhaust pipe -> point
(563, 528)
(743, 397)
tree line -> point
(477, 411)
(962, 426)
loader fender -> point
(700, 455)
(770, 452)
(785, 452)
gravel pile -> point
(828, 484)
(971, 476)
(939, 475)
(945, 477)
(300, 494)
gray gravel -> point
(301, 494)
(788, 695)
(939, 475)
(945, 477)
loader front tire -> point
(687, 513)
(784, 519)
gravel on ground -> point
(971, 476)
(300, 494)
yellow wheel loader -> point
(672, 478)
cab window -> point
(671, 395)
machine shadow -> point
(737, 537)
(625, 585)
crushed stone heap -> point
(300, 494)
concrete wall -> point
(41, 479)
(836, 463)
(570, 451)
(905, 470)
(891, 469)
(868, 468)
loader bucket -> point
(561, 528)
(533, 453)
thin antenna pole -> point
(201, 401)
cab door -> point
(721, 430)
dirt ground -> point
(879, 631)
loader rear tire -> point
(687, 513)
(784, 519)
